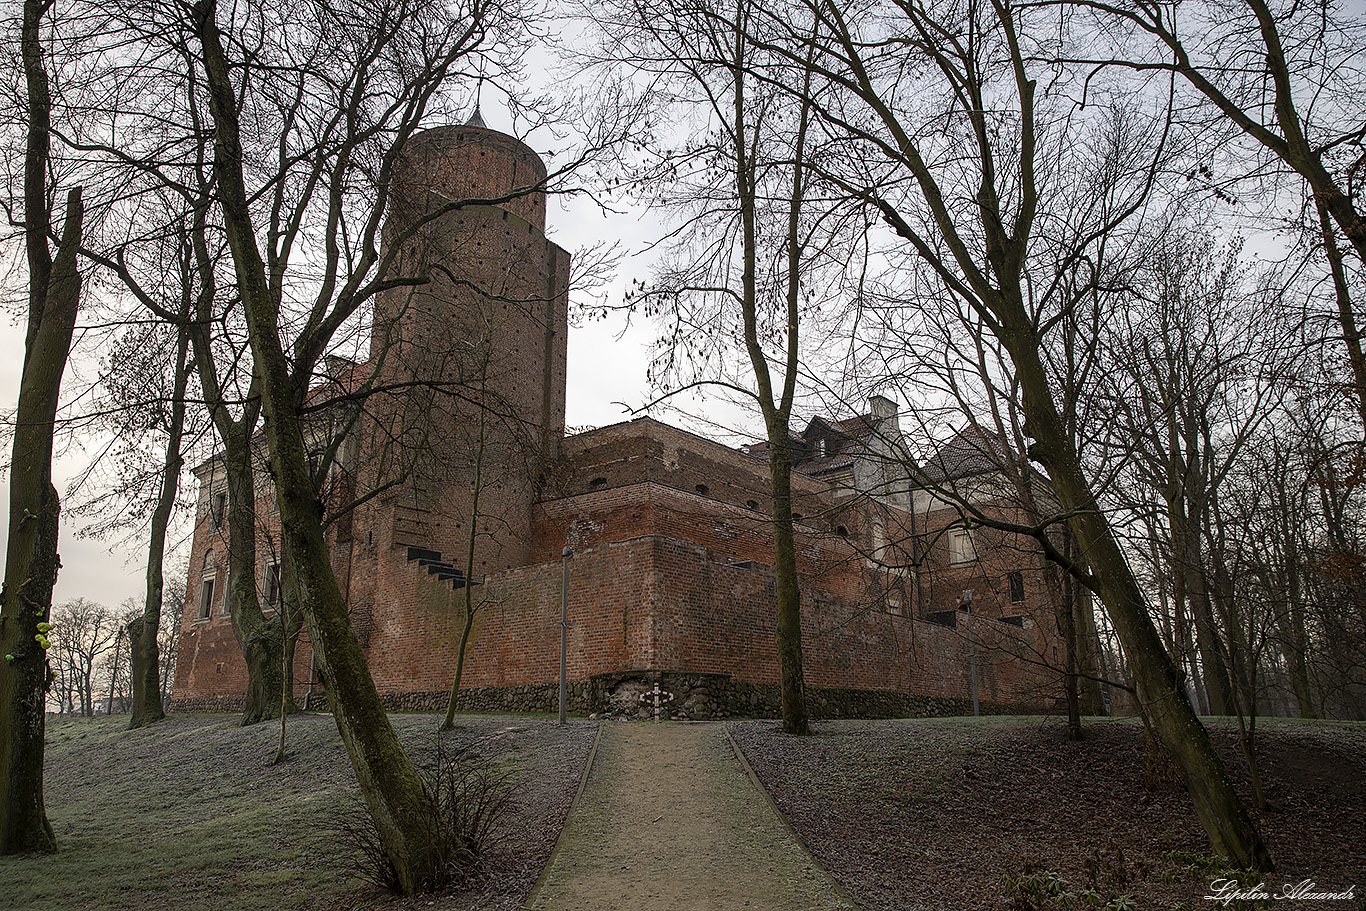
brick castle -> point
(461, 444)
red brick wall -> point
(655, 603)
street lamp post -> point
(972, 650)
(564, 631)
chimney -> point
(882, 409)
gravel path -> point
(670, 821)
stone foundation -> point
(696, 697)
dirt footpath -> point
(669, 821)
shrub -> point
(465, 799)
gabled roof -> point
(972, 451)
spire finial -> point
(477, 119)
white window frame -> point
(962, 547)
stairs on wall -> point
(444, 570)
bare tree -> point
(418, 54)
(1288, 77)
(963, 134)
(83, 634)
(31, 555)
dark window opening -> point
(206, 599)
(1017, 593)
(702, 489)
(218, 508)
(273, 583)
(752, 504)
(797, 517)
(841, 531)
(597, 483)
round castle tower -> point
(471, 361)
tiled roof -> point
(971, 451)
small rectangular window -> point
(273, 583)
(1016, 581)
(218, 508)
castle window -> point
(1016, 582)
(206, 599)
(702, 489)
(961, 547)
(207, 576)
(272, 583)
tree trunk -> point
(1060, 593)
(449, 721)
(31, 561)
(789, 596)
(777, 410)
(144, 658)
(1290, 622)
(1213, 666)
(1351, 337)
(1088, 648)
(259, 637)
(1161, 696)
(389, 783)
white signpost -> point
(658, 696)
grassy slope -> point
(190, 814)
(932, 813)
